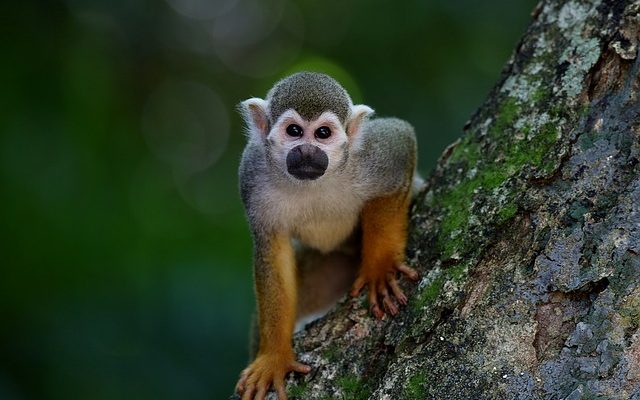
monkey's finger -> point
(248, 394)
(282, 395)
(261, 393)
(242, 381)
(357, 286)
(397, 292)
(278, 385)
(408, 271)
(300, 367)
(373, 301)
(389, 305)
(377, 312)
(240, 386)
(252, 381)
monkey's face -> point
(307, 150)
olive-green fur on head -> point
(309, 94)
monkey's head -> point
(306, 124)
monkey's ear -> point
(359, 113)
(254, 111)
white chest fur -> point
(319, 216)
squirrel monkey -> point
(324, 188)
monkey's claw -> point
(384, 288)
(265, 371)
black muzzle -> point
(307, 162)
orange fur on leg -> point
(384, 237)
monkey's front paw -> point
(383, 285)
(264, 371)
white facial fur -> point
(281, 143)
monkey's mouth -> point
(307, 162)
(306, 172)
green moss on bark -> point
(353, 388)
(429, 293)
(298, 391)
(415, 387)
(485, 173)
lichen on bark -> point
(527, 238)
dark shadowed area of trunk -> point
(527, 237)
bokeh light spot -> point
(202, 9)
(186, 125)
(258, 38)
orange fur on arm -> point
(384, 231)
(275, 281)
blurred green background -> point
(126, 259)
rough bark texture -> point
(527, 238)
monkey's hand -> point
(267, 370)
(383, 287)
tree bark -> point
(527, 238)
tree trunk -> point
(527, 237)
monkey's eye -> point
(323, 132)
(294, 130)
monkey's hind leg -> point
(322, 280)
(384, 236)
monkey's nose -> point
(307, 161)
(308, 151)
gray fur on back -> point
(384, 157)
(310, 94)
